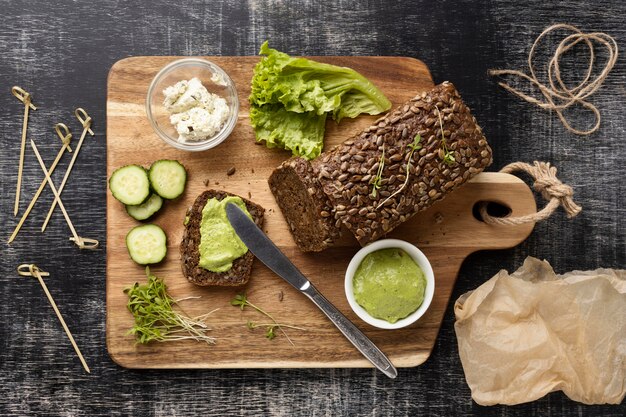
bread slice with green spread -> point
(190, 247)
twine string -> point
(548, 185)
(556, 95)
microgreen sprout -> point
(448, 158)
(270, 327)
(413, 146)
(241, 301)
(376, 181)
(155, 317)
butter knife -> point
(265, 250)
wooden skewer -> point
(66, 137)
(34, 271)
(85, 120)
(24, 97)
(83, 243)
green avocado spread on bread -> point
(219, 243)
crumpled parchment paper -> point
(525, 334)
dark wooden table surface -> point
(62, 51)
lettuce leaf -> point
(298, 86)
(301, 133)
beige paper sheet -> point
(525, 334)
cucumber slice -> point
(146, 244)
(168, 178)
(130, 184)
(147, 209)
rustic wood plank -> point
(62, 52)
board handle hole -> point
(493, 209)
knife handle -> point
(352, 333)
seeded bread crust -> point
(304, 205)
(189, 247)
(346, 173)
(339, 183)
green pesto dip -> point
(219, 243)
(389, 285)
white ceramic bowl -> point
(417, 256)
(185, 69)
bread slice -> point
(304, 205)
(189, 247)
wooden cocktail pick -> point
(81, 242)
(31, 270)
(64, 134)
(25, 98)
(85, 120)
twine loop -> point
(551, 189)
(63, 132)
(23, 96)
(557, 96)
(84, 119)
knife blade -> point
(266, 251)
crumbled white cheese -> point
(218, 79)
(196, 113)
(185, 95)
(199, 123)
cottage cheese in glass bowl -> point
(192, 104)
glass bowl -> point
(185, 69)
(419, 258)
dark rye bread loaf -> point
(306, 207)
(347, 172)
(189, 252)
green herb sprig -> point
(155, 317)
(448, 158)
(376, 181)
(241, 300)
(270, 327)
(413, 146)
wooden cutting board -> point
(447, 233)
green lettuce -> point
(301, 133)
(291, 98)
